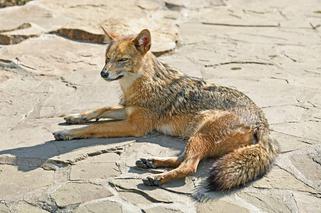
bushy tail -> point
(243, 165)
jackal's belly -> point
(181, 126)
(187, 125)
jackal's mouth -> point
(114, 79)
(119, 77)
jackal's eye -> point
(107, 59)
(123, 60)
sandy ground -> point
(51, 54)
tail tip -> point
(214, 185)
(214, 180)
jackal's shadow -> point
(33, 157)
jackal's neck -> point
(154, 76)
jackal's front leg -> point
(137, 123)
(116, 112)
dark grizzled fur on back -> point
(184, 94)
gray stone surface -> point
(76, 193)
(96, 167)
(100, 207)
(220, 206)
(160, 209)
(15, 184)
(26, 208)
(4, 208)
(51, 53)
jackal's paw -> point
(145, 163)
(63, 135)
(152, 181)
(75, 119)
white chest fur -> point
(166, 129)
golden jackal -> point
(217, 121)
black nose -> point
(104, 74)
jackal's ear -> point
(143, 41)
(109, 36)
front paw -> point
(75, 119)
(145, 163)
(152, 180)
(63, 135)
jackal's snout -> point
(111, 76)
(104, 74)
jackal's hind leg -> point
(194, 153)
(186, 168)
(116, 112)
(217, 137)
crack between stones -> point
(295, 136)
(316, 161)
(137, 191)
(6, 204)
(15, 39)
(11, 66)
(282, 189)
(295, 202)
(176, 192)
(8, 39)
(297, 122)
(241, 25)
(239, 62)
(254, 195)
(283, 79)
(68, 83)
(285, 105)
(53, 164)
(293, 175)
(20, 27)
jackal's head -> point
(124, 55)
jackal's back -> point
(168, 92)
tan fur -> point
(217, 121)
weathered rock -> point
(4, 208)
(20, 33)
(220, 206)
(26, 208)
(300, 163)
(269, 200)
(75, 193)
(160, 209)
(16, 184)
(68, 23)
(309, 164)
(20, 27)
(99, 167)
(81, 35)
(134, 191)
(180, 4)
(272, 53)
(14, 39)
(150, 5)
(280, 179)
(307, 203)
(100, 207)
